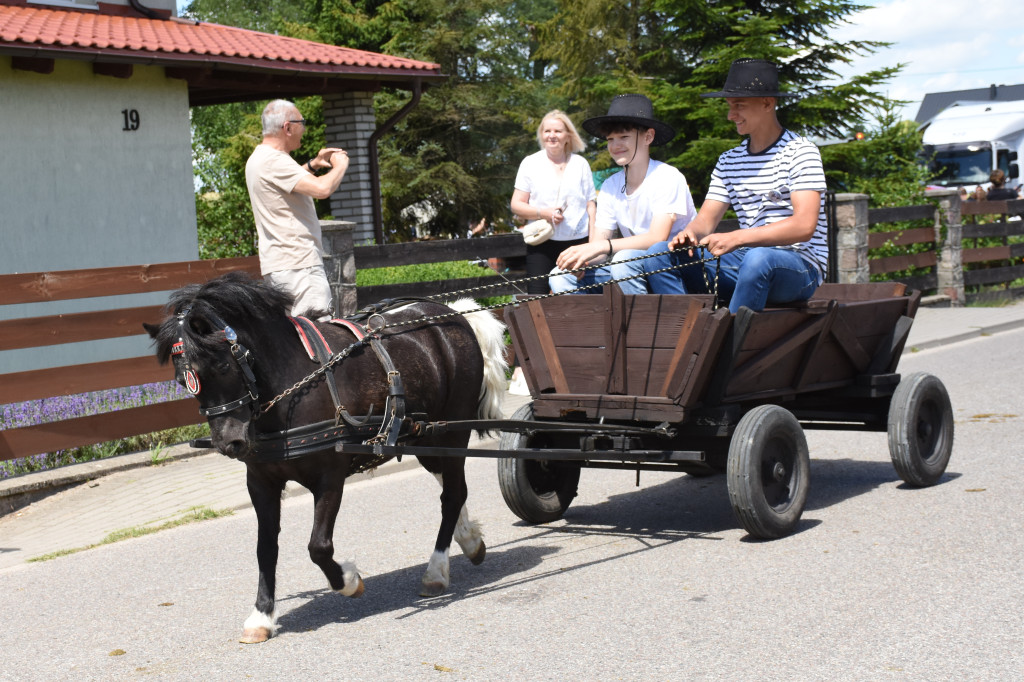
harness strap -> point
(394, 406)
(353, 327)
(318, 349)
(304, 440)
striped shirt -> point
(758, 187)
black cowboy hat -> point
(635, 110)
(751, 78)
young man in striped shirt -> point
(775, 183)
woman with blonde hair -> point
(555, 185)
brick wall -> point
(350, 123)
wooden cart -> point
(666, 382)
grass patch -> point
(192, 515)
(422, 272)
(451, 271)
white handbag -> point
(537, 232)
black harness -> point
(381, 431)
(243, 358)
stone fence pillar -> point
(340, 264)
(949, 233)
(852, 238)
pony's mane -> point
(235, 297)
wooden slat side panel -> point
(33, 332)
(624, 408)
(648, 371)
(694, 381)
(585, 370)
(655, 321)
(96, 376)
(99, 428)
(785, 344)
(615, 341)
(527, 347)
(36, 287)
(868, 291)
(547, 346)
(685, 346)
(577, 320)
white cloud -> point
(945, 44)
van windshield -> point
(963, 166)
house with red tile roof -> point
(96, 162)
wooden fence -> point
(40, 332)
(950, 251)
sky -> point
(945, 44)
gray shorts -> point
(308, 287)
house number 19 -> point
(131, 119)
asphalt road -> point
(659, 582)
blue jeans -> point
(566, 282)
(751, 276)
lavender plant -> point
(58, 408)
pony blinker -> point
(189, 376)
(239, 352)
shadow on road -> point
(684, 508)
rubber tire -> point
(537, 491)
(920, 429)
(768, 500)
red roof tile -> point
(55, 30)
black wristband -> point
(310, 166)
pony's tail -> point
(490, 336)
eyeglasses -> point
(301, 120)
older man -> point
(775, 183)
(282, 193)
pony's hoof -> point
(432, 589)
(254, 635)
(477, 557)
(360, 588)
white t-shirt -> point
(663, 190)
(759, 187)
(538, 177)
(286, 221)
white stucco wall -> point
(80, 191)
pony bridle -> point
(243, 358)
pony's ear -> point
(152, 329)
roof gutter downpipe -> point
(145, 11)
(378, 212)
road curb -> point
(19, 492)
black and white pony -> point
(234, 346)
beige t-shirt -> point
(286, 221)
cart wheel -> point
(768, 471)
(920, 429)
(537, 491)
